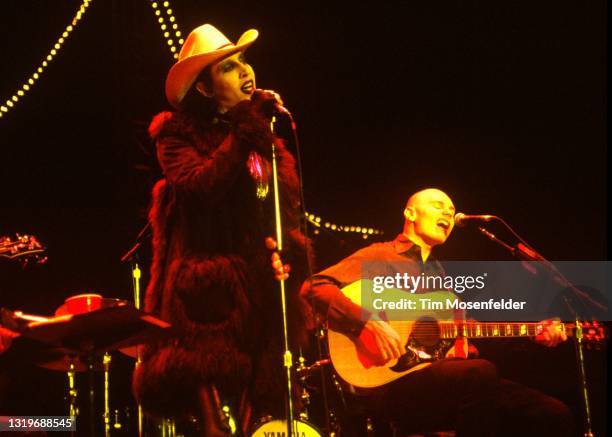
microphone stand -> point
(132, 257)
(287, 356)
(526, 253)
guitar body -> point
(420, 337)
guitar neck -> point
(471, 329)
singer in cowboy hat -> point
(211, 274)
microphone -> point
(277, 106)
(461, 219)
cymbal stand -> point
(132, 257)
(72, 395)
(136, 274)
(92, 396)
(106, 365)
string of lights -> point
(30, 81)
(168, 26)
(365, 231)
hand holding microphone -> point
(250, 120)
(268, 102)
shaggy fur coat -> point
(211, 276)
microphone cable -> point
(319, 326)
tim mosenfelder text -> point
(424, 303)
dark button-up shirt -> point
(381, 259)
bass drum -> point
(278, 428)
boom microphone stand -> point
(526, 253)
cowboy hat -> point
(204, 46)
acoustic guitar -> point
(427, 337)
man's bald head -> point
(429, 217)
(427, 194)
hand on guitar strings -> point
(281, 271)
(552, 334)
(380, 341)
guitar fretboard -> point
(449, 330)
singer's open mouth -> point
(444, 224)
(247, 87)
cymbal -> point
(107, 302)
(131, 351)
(28, 350)
(101, 330)
(63, 360)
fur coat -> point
(211, 276)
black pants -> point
(467, 396)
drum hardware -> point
(167, 428)
(304, 371)
(65, 360)
(82, 342)
(334, 425)
(228, 421)
(369, 427)
(106, 363)
(132, 256)
(301, 372)
(339, 390)
(73, 410)
(305, 397)
(117, 423)
(99, 331)
(86, 300)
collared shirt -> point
(324, 288)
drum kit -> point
(81, 339)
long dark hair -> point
(195, 104)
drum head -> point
(278, 428)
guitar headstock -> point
(593, 333)
(25, 248)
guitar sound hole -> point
(426, 332)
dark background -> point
(500, 104)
